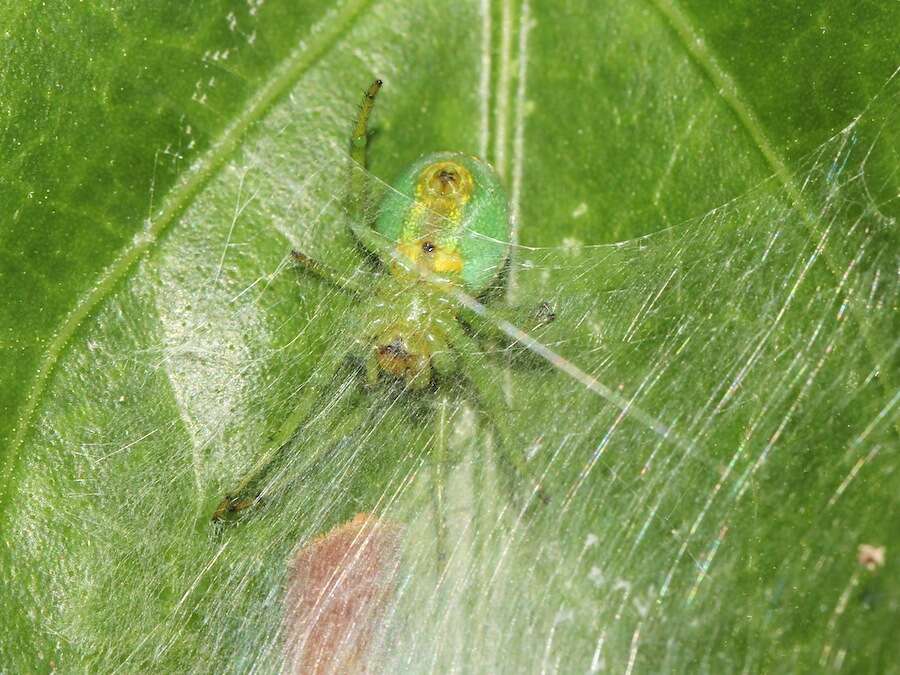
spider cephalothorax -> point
(403, 354)
(409, 333)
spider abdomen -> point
(449, 214)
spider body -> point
(443, 227)
(447, 217)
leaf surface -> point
(706, 198)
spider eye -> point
(428, 247)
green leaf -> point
(706, 194)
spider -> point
(445, 227)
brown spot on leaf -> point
(339, 587)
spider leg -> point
(374, 242)
(491, 397)
(328, 274)
(359, 140)
(532, 319)
(359, 193)
(360, 221)
(438, 495)
(247, 492)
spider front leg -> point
(359, 193)
(326, 273)
(360, 214)
(359, 140)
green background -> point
(161, 159)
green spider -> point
(444, 228)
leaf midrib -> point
(322, 37)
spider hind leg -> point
(492, 400)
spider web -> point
(733, 372)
